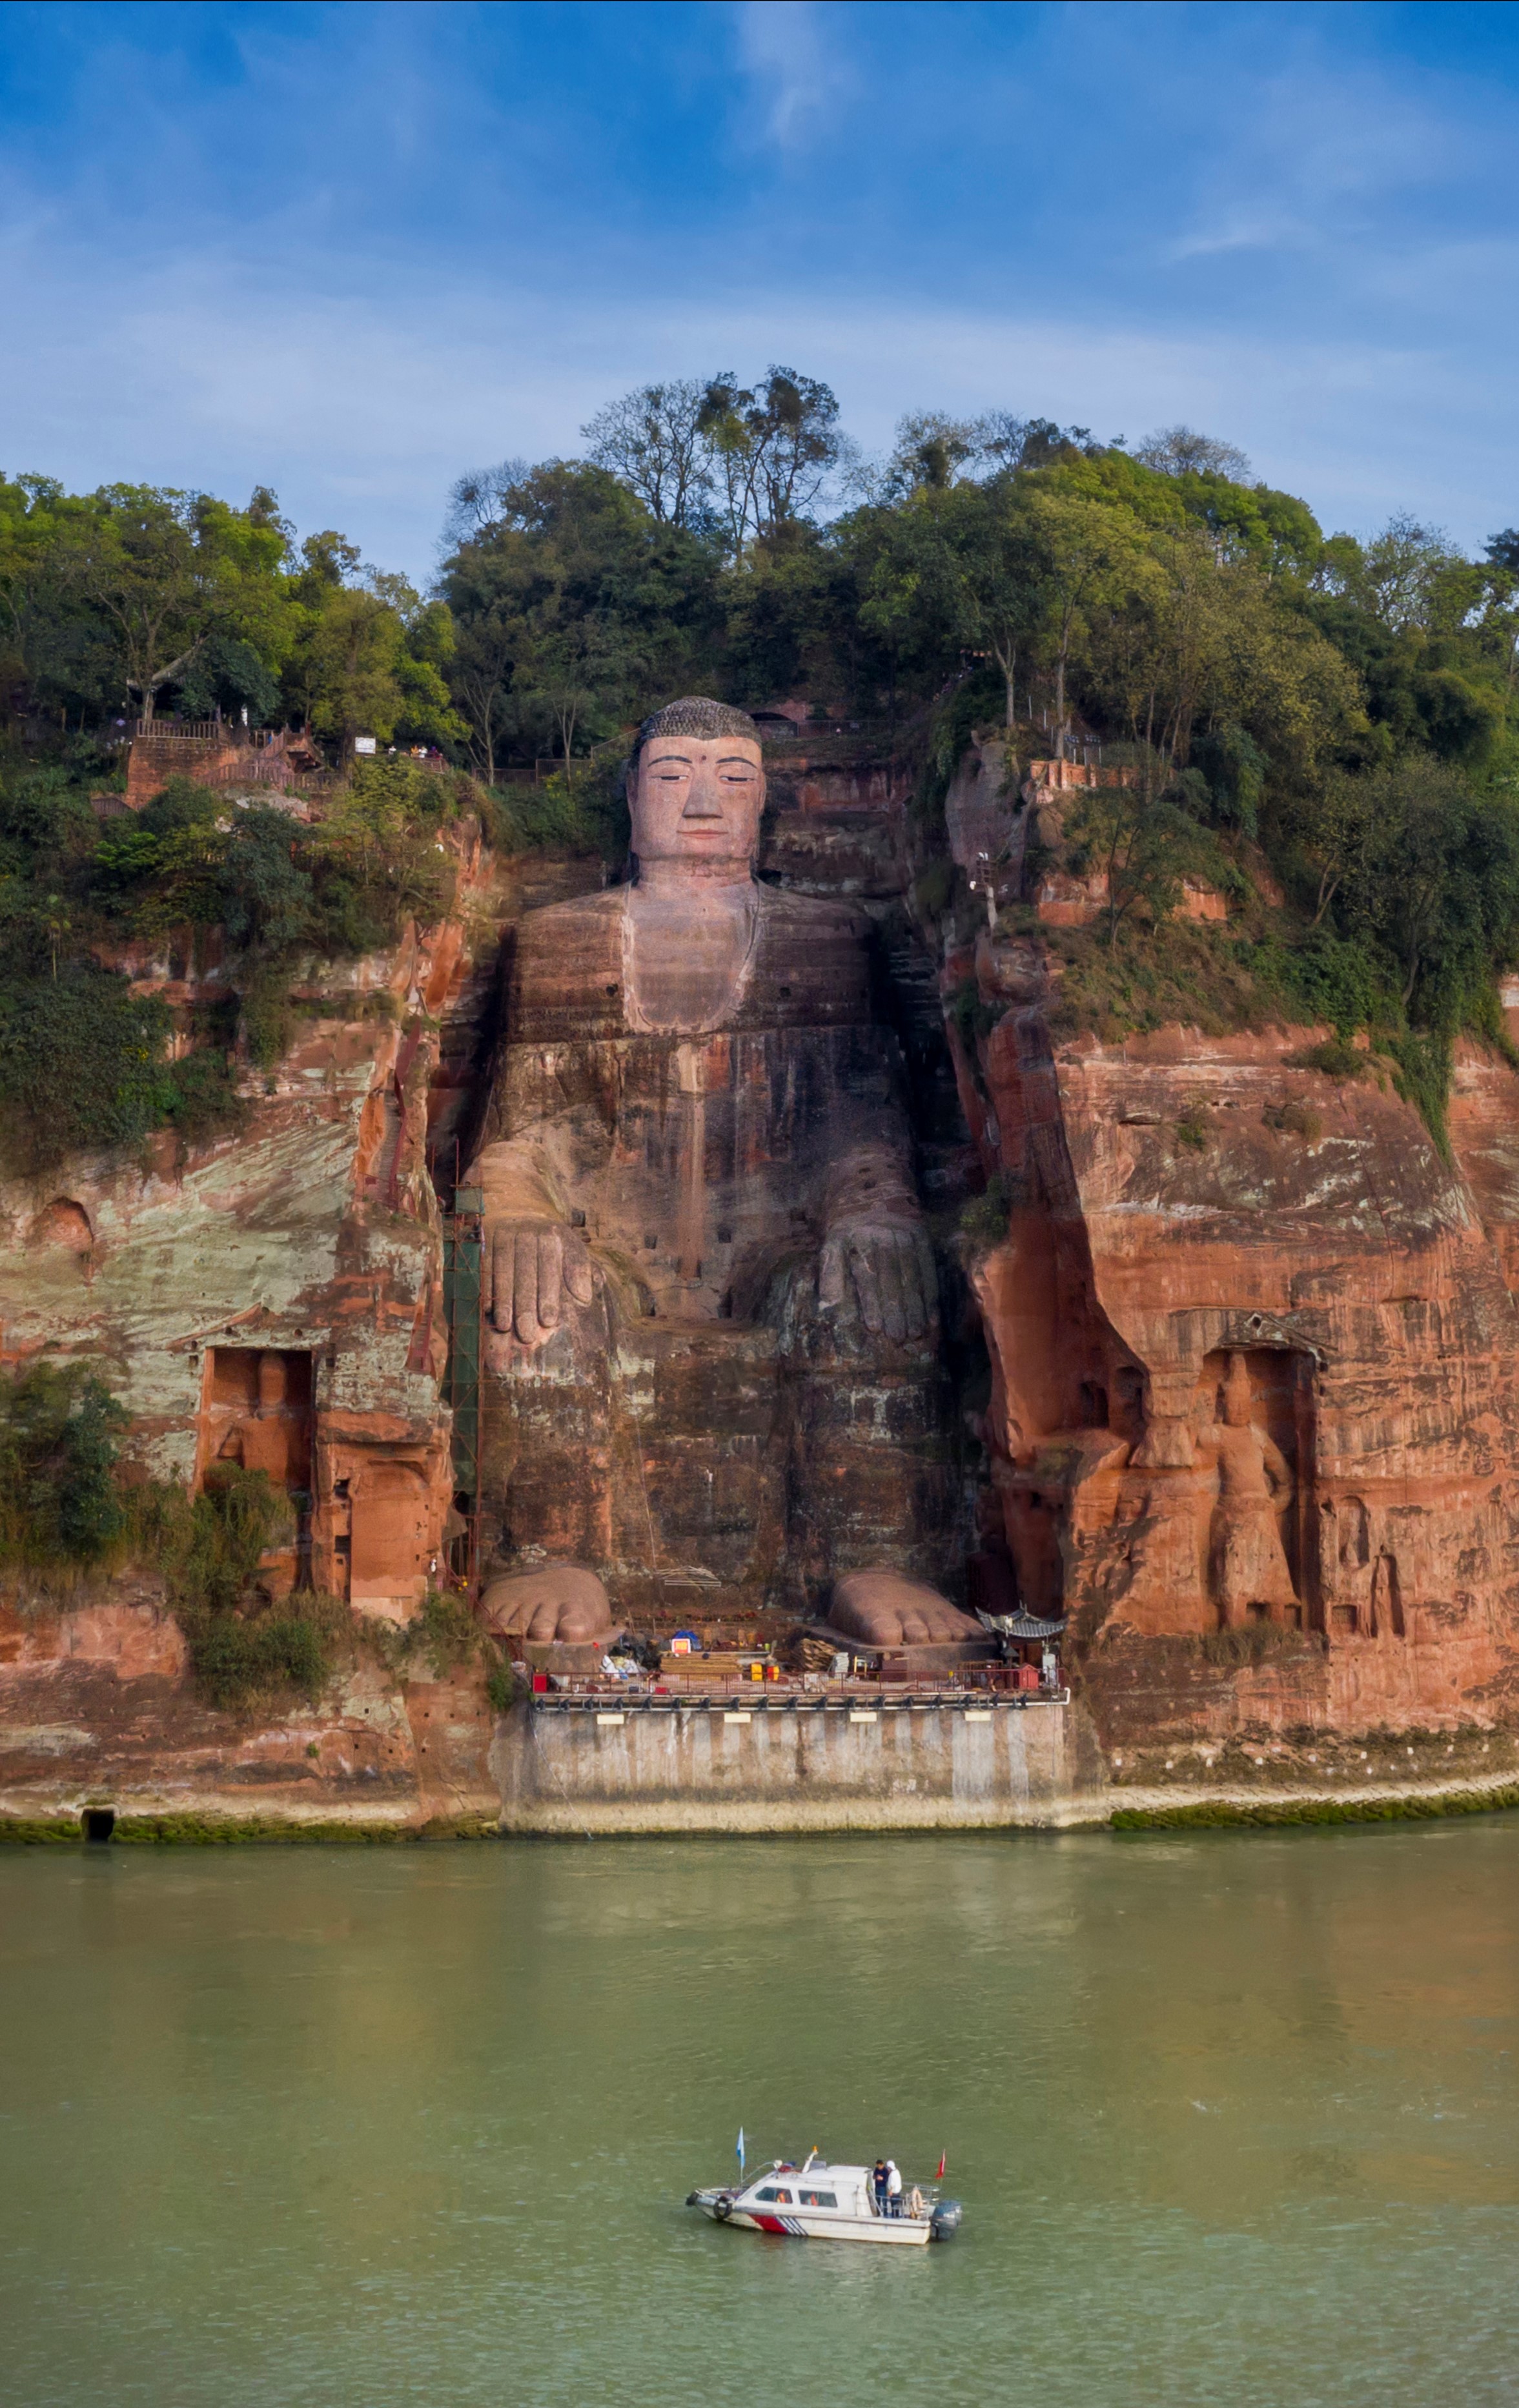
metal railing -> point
(208, 731)
(875, 1701)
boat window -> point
(781, 2197)
(820, 2198)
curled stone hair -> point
(693, 714)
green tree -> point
(60, 1432)
(772, 448)
(570, 607)
(963, 566)
(654, 442)
(166, 571)
(51, 646)
(1087, 558)
(1140, 842)
(1436, 883)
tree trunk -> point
(1007, 660)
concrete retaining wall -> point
(710, 1768)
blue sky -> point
(351, 251)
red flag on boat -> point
(942, 2154)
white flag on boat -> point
(739, 2146)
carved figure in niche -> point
(696, 1118)
(275, 1437)
(1250, 1570)
(1386, 1599)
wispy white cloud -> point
(799, 75)
(366, 267)
(1324, 143)
(349, 403)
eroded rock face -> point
(274, 1299)
(1253, 1368)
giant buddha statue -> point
(712, 1308)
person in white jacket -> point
(894, 2188)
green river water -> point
(1234, 2118)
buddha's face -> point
(697, 798)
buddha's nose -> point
(703, 803)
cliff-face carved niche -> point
(1255, 1444)
(713, 1349)
(1268, 1377)
(62, 1223)
(257, 1413)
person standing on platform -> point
(894, 2188)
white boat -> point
(818, 2201)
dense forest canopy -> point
(1344, 710)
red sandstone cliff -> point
(1254, 1425)
(273, 1298)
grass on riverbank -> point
(1222, 1813)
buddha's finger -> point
(867, 1287)
(831, 1276)
(501, 1256)
(550, 1269)
(914, 1311)
(525, 1299)
(927, 1272)
(889, 1271)
(578, 1271)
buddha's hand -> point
(532, 1268)
(886, 1268)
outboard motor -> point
(944, 2223)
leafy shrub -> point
(1337, 1059)
(973, 1018)
(983, 1219)
(203, 1101)
(236, 1519)
(587, 814)
(1293, 1119)
(81, 1066)
(446, 1629)
(1191, 1129)
(501, 1687)
(240, 1657)
(60, 1429)
(1422, 1076)
(242, 1648)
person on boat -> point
(894, 2188)
(879, 2182)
